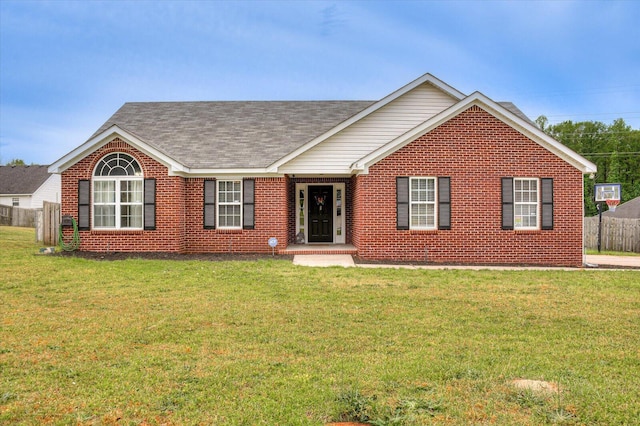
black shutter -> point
(150, 204)
(248, 203)
(507, 203)
(402, 203)
(444, 203)
(209, 210)
(546, 197)
(84, 205)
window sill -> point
(423, 231)
(228, 231)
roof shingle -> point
(230, 134)
(22, 179)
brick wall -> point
(179, 212)
(476, 150)
(170, 212)
(271, 197)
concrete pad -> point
(323, 260)
(346, 260)
(628, 261)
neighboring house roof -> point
(22, 180)
(204, 138)
(628, 210)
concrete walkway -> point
(606, 260)
(346, 260)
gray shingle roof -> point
(235, 134)
(22, 179)
(514, 109)
(231, 134)
(628, 210)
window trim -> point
(117, 203)
(434, 203)
(238, 203)
(537, 205)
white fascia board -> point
(321, 175)
(228, 173)
(493, 108)
(107, 136)
(535, 134)
(426, 78)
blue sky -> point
(66, 66)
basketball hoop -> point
(612, 204)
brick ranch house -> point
(424, 174)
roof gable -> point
(334, 153)
(499, 111)
(426, 78)
(22, 180)
(106, 136)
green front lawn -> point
(266, 342)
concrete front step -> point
(320, 249)
(319, 260)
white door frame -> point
(302, 211)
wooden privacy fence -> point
(617, 234)
(5, 215)
(16, 216)
(48, 223)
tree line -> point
(614, 148)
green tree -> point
(615, 149)
(16, 162)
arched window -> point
(118, 193)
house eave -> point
(493, 108)
(107, 136)
(426, 78)
(321, 175)
(537, 135)
(226, 173)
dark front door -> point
(321, 214)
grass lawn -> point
(269, 343)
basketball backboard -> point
(606, 191)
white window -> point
(526, 200)
(230, 204)
(15, 202)
(422, 203)
(117, 193)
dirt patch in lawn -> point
(540, 386)
(346, 424)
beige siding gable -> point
(336, 154)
